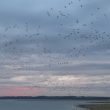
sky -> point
(54, 47)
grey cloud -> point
(45, 38)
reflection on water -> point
(39, 105)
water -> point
(38, 105)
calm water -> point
(38, 105)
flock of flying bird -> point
(74, 42)
(75, 49)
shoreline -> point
(91, 98)
(96, 106)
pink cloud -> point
(21, 91)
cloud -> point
(60, 85)
(55, 44)
(21, 91)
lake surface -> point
(39, 105)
